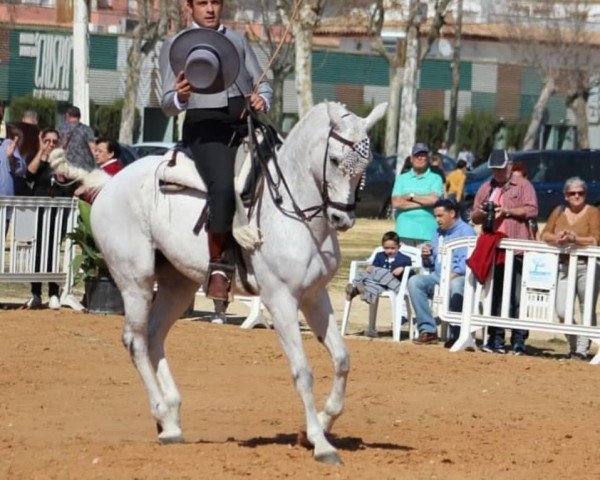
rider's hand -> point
(257, 102)
(183, 88)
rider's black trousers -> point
(213, 136)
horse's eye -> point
(335, 161)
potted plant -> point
(101, 293)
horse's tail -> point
(94, 179)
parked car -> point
(547, 170)
(152, 148)
(128, 154)
(374, 200)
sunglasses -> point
(51, 140)
(578, 193)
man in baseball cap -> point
(413, 197)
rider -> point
(214, 128)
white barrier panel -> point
(538, 291)
(36, 228)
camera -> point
(490, 216)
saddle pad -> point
(184, 171)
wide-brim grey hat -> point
(208, 58)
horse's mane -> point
(317, 113)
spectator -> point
(466, 155)
(383, 274)
(437, 166)
(2, 123)
(30, 117)
(30, 145)
(78, 140)
(12, 164)
(519, 169)
(413, 196)
(40, 175)
(443, 148)
(576, 224)
(455, 182)
(106, 154)
(421, 287)
(515, 203)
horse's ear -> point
(375, 115)
(333, 112)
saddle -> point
(178, 172)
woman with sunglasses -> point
(574, 224)
(43, 184)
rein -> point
(303, 214)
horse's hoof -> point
(331, 458)
(170, 439)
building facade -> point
(38, 60)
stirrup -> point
(219, 279)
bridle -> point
(361, 148)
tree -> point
(304, 17)
(275, 41)
(557, 43)
(145, 35)
(403, 66)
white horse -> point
(147, 237)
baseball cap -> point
(498, 159)
(419, 148)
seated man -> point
(421, 287)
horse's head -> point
(347, 155)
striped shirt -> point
(516, 192)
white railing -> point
(538, 292)
(38, 225)
(36, 228)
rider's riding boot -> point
(220, 272)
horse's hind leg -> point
(174, 294)
(319, 315)
(137, 296)
(284, 310)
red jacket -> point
(112, 168)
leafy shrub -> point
(515, 133)
(431, 129)
(46, 109)
(107, 120)
(476, 129)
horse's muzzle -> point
(341, 221)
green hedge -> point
(46, 108)
(107, 120)
(431, 129)
(476, 129)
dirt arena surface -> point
(72, 407)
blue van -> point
(547, 170)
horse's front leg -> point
(284, 311)
(319, 314)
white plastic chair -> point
(398, 300)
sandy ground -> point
(72, 406)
